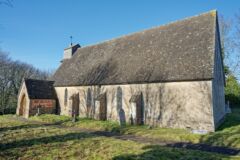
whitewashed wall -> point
(174, 104)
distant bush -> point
(232, 90)
(233, 99)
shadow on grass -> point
(4, 129)
(228, 137)
(44, 140)
(28, 126)
(231, 119)
(227, 133)
(205, 148)
(10, 155)
(155, 152)
(61, 122)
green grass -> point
(165, 134)
(228, 134)
(22, 140)
(51, 118)
(6, 119)
(231, 120)
(88, 123)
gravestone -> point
(122, 117)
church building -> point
(167, 76)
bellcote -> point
(70, 51)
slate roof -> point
(179, 51)
(40, 89)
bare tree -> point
(236, 56)
(230, 42)
(226, 38)
(6, 2)
(11, 76)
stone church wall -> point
(23, 109)
(218, 86)
(173, 104)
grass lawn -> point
(25, 140)
(51, 118)
(166, 134)
(227, 135)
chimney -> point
(69, 52)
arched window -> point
(65, 97)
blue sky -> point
(37, 31)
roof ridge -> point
(74, 45)
(212, 12)
(37, 79)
